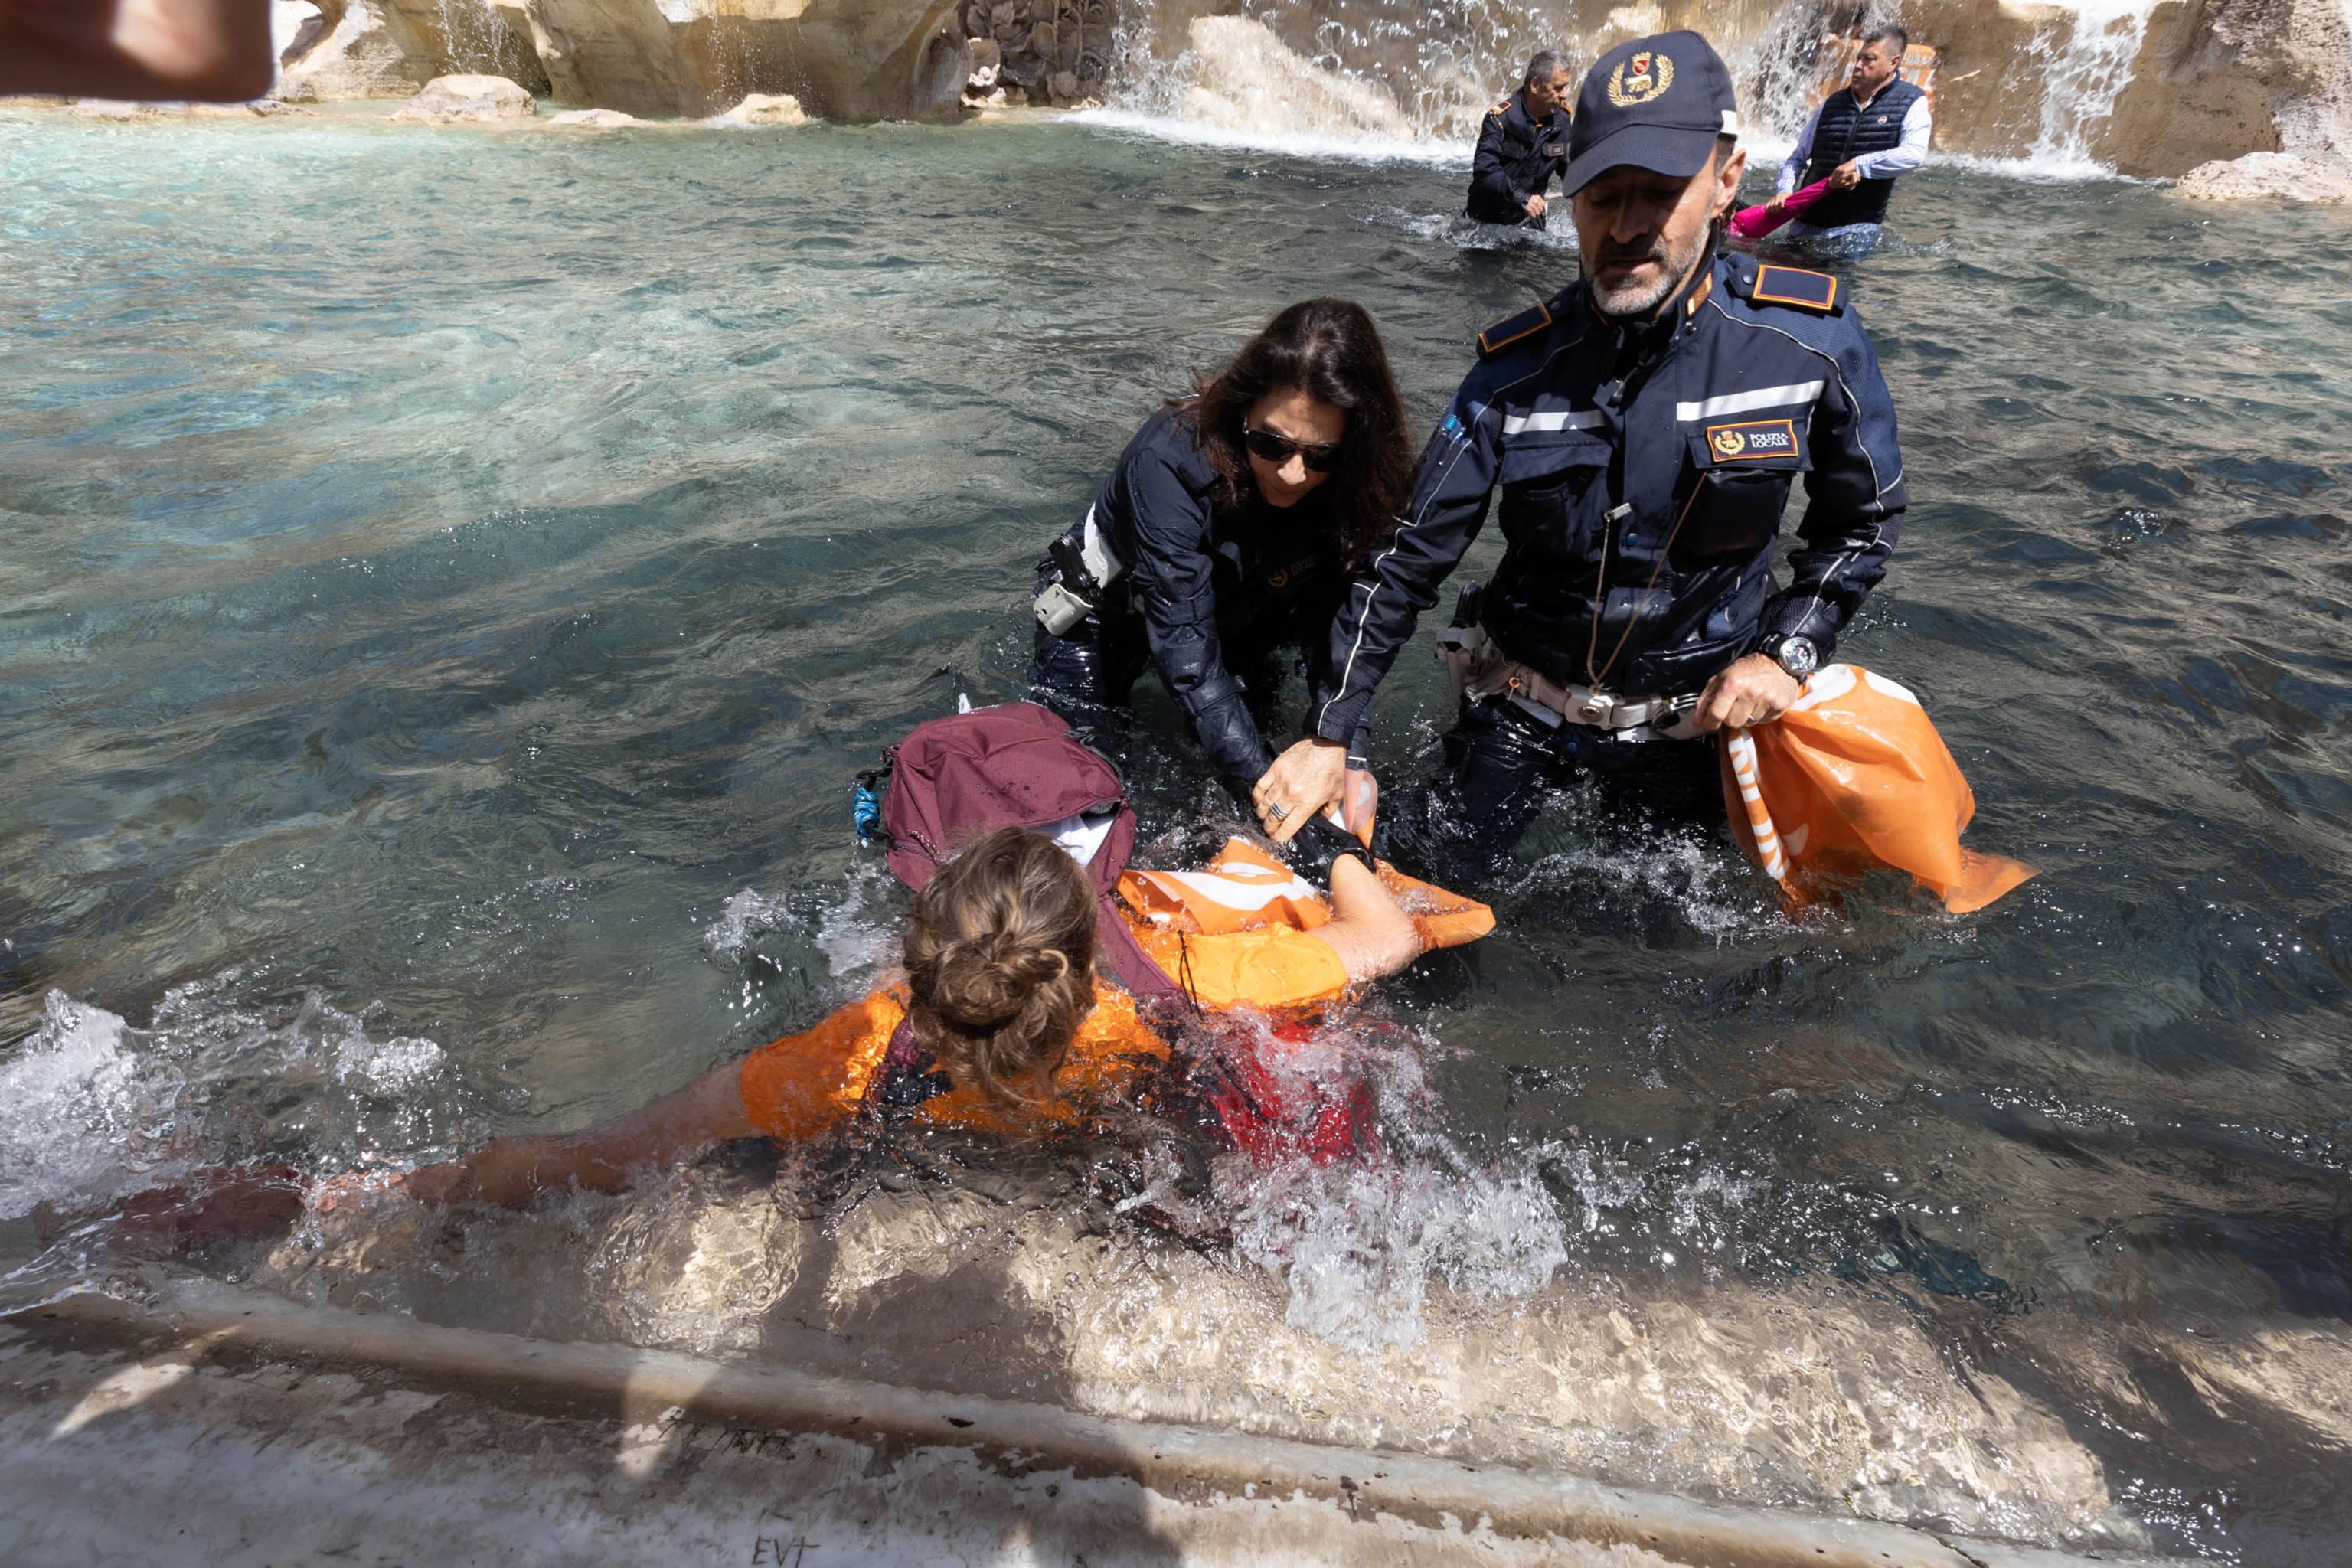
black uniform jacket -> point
(1216, 588)
(1516, 159)
(1643, 485)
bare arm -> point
(513, 1170)
(204, 50)
(1371, 933)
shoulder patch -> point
(1511, 328)
(1794, 286)
(1500, 107)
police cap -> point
(1657, 104)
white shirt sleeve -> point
(1794, 164)
(1919, 125)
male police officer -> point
(1862, 136)
(1646, 426)
(1521, 147)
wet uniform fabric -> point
(1518, 157)
(1643, 472)
(1210, 597)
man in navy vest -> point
(1861, 138)
(1646, 427)
(1522, 147)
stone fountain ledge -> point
(265, 1431)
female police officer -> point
(1232, 529)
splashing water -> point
(98, 1109)
(1358, 1244)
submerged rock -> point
(112, 108)
(594, 119)
(455, 99)
(766, 109)
(2269, 175)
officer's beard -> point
(1633, 301)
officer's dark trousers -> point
(1086, 677)
(1500, 759)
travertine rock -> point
(2269, 175)
(451, 99)
(357, 48)
(2211, 79)
(2216, 78)
(766, 109)
(593, 118)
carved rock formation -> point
(592, 120)
(2269, 175)
(449, 99)
(2216, 78)
(2188, 83)
(857, 59)
(767, 109)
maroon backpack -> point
(1015, 765)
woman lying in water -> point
(999, 1023)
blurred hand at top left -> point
(208, 50)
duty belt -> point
(1480, 671)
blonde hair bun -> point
(1000, 962)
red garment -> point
(1755, 223)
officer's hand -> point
(1535, 204)
(1776, 205)
(1846, 175)
(1305, 781)
(1755, 691)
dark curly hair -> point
(1330, 350)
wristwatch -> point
(1797, 655)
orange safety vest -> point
(1236, 934)
(1239, 931)
(805, 1084)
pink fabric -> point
(1755, 223)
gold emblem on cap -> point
(1642, 78)
(1730, 442)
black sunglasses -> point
(1321, 455)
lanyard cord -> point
(1592, 676)
(1184, 973)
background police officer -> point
(1860, 139)
(1645, 425)
(1522, 147)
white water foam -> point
(69, 1099)
(1276, 139)
(1358, 1242)
(1387, 88)
(91, 1108)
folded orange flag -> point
(1851, 778)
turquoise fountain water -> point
(450, 579)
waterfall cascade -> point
(2040, 83)
(2140, 87)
